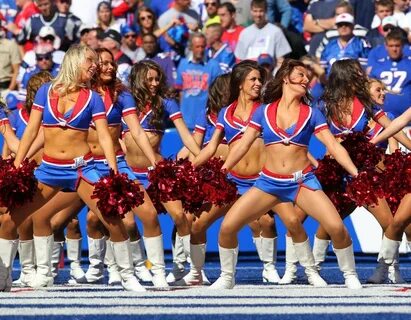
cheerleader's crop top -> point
(233, 126)
(171, 110)
(89, 106)
(310, 120)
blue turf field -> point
(250, 299)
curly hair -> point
(217, 94)
(273, 89)
(115, 86)
(140, 90)
(33, 86)
(346, 81)
(239, 74)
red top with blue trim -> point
(359, 119)
(171, 110)
(310, 120)
(233, 126)
(89, 106)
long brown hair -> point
(239, 74)
(141, 92)
(346, 81)
(33, 86)
(115, 87)
(217, 94)
(273, 90)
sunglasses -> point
(43, 58)
(343, 24)
(210, 4)
(130, 36)
(144, 18)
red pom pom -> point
(154, 195)
(117, 195)
(397, 178)
(341, 201)
(215, 186)
(366, 188)
(17, 185)
(176, 180)
(330, 173)
(363, 153)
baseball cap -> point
(389, 20)
(344, 18)
(125, 29)
(265, 58)
(48, 31)
(113, 35)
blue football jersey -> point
(396, 75)
(224, 56)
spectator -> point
(112, 42)
(181, 9)
(129, 45)
(84, 33)
(359, 31)
(47, 37)
(383, 8)
(150, 52)
(94, 37)
(400, 9)
(378, 37)
(279, 11)
(124, 11)
(27, 10)
(261, 37)
(73, 22)
(217, 50)
(147, 22)
(242, 8)
(160, 6)
(105, 18)
(211, 8)
(8, 10)
(267, 62)
(380, 52)
(227, 14)
(194, 76)
(44, 62)
(9, 64)
(48, 16)
(395, 72)
(346, 46)
(363, 12)
(320, 17)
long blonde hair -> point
(69, 78)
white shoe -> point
(73, 247)
(28, 269)
(306, 259)
(179, 258)
(394, 274)
(112, 268)
(291, 260)
(389, 250)
(380, 274)
(155, 254)
(43, 247)
(195, 276)
(55, 257)
(346, 262)
(269, 258)
(8, 250)
(228, 260)
(124, 261)
(139, 260)
(96, 253)
(320, 249)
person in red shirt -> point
(226, 12)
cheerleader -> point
(349, 108)
(402, 218)
(154, 105)
(287, 125)
(244, 102)
(65, 108)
